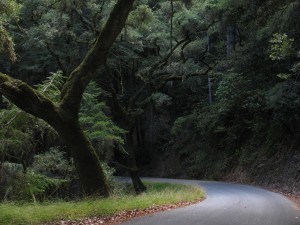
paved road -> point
(227, 204)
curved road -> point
(227, 204)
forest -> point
(195, 89)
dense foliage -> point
(149, 107)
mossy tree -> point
(63, 117)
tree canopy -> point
(179, 88)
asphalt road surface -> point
(227, 204)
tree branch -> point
(85, 21)
(161, 62)
(95, 58)
(28, 99)
(57, 58)
(182, 50)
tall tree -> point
(63, 117)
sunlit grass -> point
(157, 194)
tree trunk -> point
(85, 159)
(231, 39)
(138, 185)
(125, 121)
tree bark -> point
(138, 185)
(85, 159)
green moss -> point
(3, 78)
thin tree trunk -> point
(231, 39)
(124, 121)
(171, 24)
(137, 183)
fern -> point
(52, 85)
(101, 130)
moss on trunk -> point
(85, 158)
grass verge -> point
(157, 194)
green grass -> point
(157, 194)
